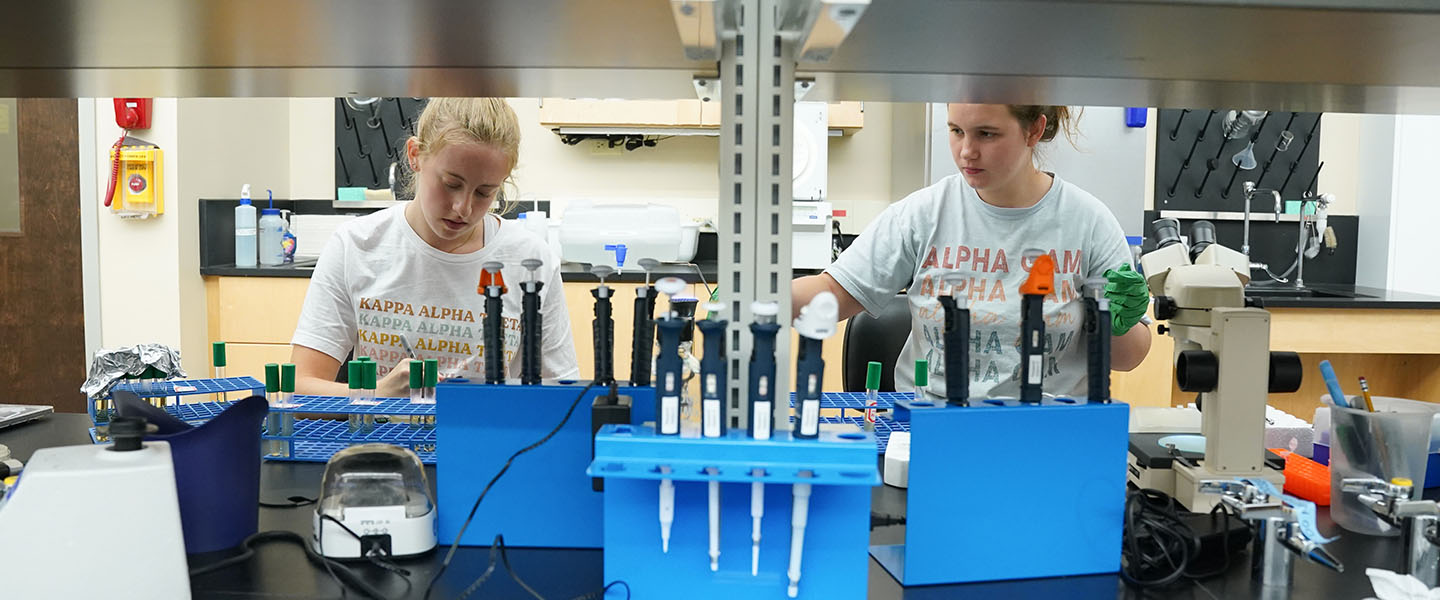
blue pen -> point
(1327, 372)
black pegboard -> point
(1211, 181)
(369, 137)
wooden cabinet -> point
(1396, 350)
(669, 114)
(255, 317)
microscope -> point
(1222, 352)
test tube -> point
(432, 378)
(355, 379)
(217, 362)
(922, 378)
(287, 399)
(417, 388)
(272, 418)
(368, 422)
(872, 393)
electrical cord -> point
(338, 572)
(1158, 547)
(374, 554)
(290, 502)
(450, 555)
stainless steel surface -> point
(1394, 503)
(1271, 563)
(1422, 555)
(1326, 55)
(1218, 215)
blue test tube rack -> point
(317, 439)
(855, 401)
(1005, 490)
(545, 499)
(834, 563)
(235, 386)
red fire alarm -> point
(132, 113)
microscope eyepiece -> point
(1202, 234)
(1167, 232)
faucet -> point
(1279, 534)
(1250, 191)
(1321, 201)
(1417, 520)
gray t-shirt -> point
(947, 227)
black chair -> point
(875, 339)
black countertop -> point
(1331, 295)
(280, 570)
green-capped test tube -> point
(272, 418)
(217, 365)
(922, 378)
(417, 388)
(432, 378)
(872, 393)
(368, 422)
(287, 399)
(356, 380)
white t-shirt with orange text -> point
(377, 279)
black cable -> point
(339, 572)
(475, 507)
(605, 590)
(1224, 510)
(499, 545)
(1157, 546)
(290, 502)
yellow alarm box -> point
(140, 182)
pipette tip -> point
(714, 565)
(754, 560)
(793, 591)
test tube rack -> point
(855, 401)
(991, 471)
(317, 439)
(100, 408)
(842, 470)
(545, 499)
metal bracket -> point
(703, 24)
(707, 87)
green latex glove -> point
(1129, 298)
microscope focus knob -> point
(1162, 329)
(1165, 308)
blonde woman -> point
(412, 269)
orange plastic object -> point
(1042, 277)
(1306, 478)
(484, 282)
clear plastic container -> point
(272, 236)
(1379, 445)
(245, 231)
(374, 475)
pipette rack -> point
(992, 471)
(834, 561)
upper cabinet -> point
(594, 115)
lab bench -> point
(281, 570)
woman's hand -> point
(396, 383)
(1129, 298)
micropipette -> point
(531, 324)
(815, 323)
(405, 343)
(1039, 284)
(603, 328)
(956, 337)
(1097, 345)
(668, 390)
(762, 403)
(713, 376)
(799, 515)
(492, 286)
(643, 339)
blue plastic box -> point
(1001, 490)
(545, 500)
